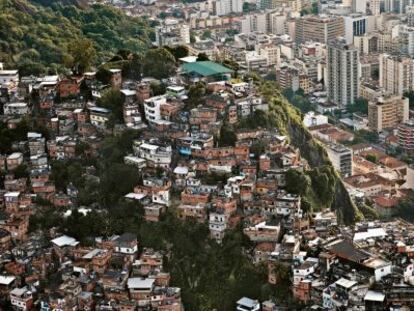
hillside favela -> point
(206, 155)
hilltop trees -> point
(81, 55)
(159, 63)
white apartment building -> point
(359, 6)
(396, 74)
(152, 107)
(277, 23)
(253, 23)
(342, 73)
(217, 223)
(17, 109)
(374, 7)
(225, 7)
(99, 116)
(156, 154)
(8, 76)
(172, 33)
(271, 52)
(313, 119)
(405, 40)
(355, 25)
(341, 158)
(410, 15)
(21, 299)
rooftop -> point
(205, 68)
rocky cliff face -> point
(289, 121)
(315, 154)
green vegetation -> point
(316, 186)
(210, 275)
(410, 96)
(196, 95)
(405, 209)
(288, 120)
(159, 63)
(41, 36)
(81, 55)
(372, 158)
(214, 178)
(299, 100)
(362, 136)
(8, 136)
(202, 57)
(158, 88)
(360, 105)
(258, 119)
(369, 212)
(227, 137)
(112, 99)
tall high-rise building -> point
(405, 135)
(342, 72)
(277, 23)
(355, 25)
(397, 6)
(341, 158)
(410, 15)
(319, 28)
(294, 5)
(367, 44)
(172, 33)
(225, 7)
(387, 112)
(359, 6)
(396, 74)
(406, 40)
(374, 7)
(254, 22)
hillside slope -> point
(34, 34)
(289, 122)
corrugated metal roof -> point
(206, 68)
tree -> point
(103, 75)
(178, 51)
(202, 57)
(298, 99)
(124, 53)
(132, 68)
(315, 8)
(360, 105)
(366, 136)
(113, 100)
(116, 181)
(195, 95)
(405, 209)
(206, 34)
(159, 63)
(21, 171)
(233, 65)
(271, 76)
(257, 148)
(297, 182)
(372, 158)
(323, 183)
(410, 96)
(64, 172)
(157, 88)
(257, 119)
(82, 54)
(227, 136)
